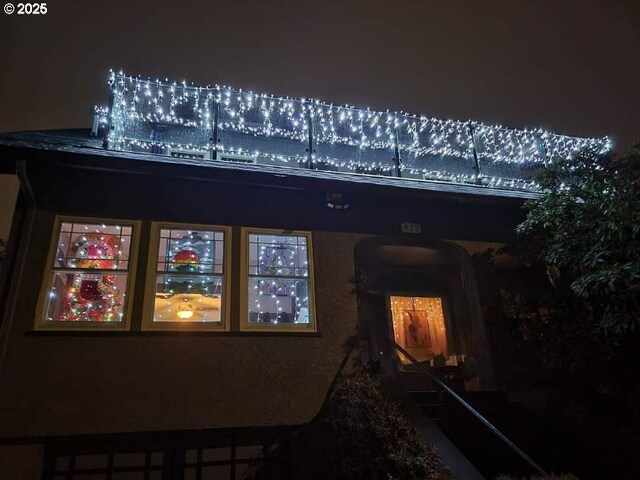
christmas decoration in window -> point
(419, 327)
(188, 277)
(90, 273)
(279, 288)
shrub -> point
(362, 434)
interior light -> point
(185, 314)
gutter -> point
(16, 258)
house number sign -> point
(414, 228)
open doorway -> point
(422, 294)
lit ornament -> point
(186, 260)
(95, 254)
(93, 296)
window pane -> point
(278, 255)
(190, 251)
(93, 246)
(189, 276)
(276, 300)
(193, 298)
(86, 297)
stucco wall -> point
(59, 384)
(21, 462)
(100, 382)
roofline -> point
(139, 162)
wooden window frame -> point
(52, 325)
(150, 282)
(245, 326)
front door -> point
(419, 327)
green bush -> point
(362, 434)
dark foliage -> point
(585, 235)
(360, 434)
(587, 229)
(370, 437)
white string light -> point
(156, 115)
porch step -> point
(481, 446)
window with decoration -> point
(278, 272)
(186, 279)
(90, 272)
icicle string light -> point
(188, 120)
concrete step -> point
(488, 453)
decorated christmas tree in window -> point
(191, 253)
(189, 276)
(89, 276)
(93, 297)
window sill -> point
(167, 333)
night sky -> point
(571, 66)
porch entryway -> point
(422, 295)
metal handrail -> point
(468, 407)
